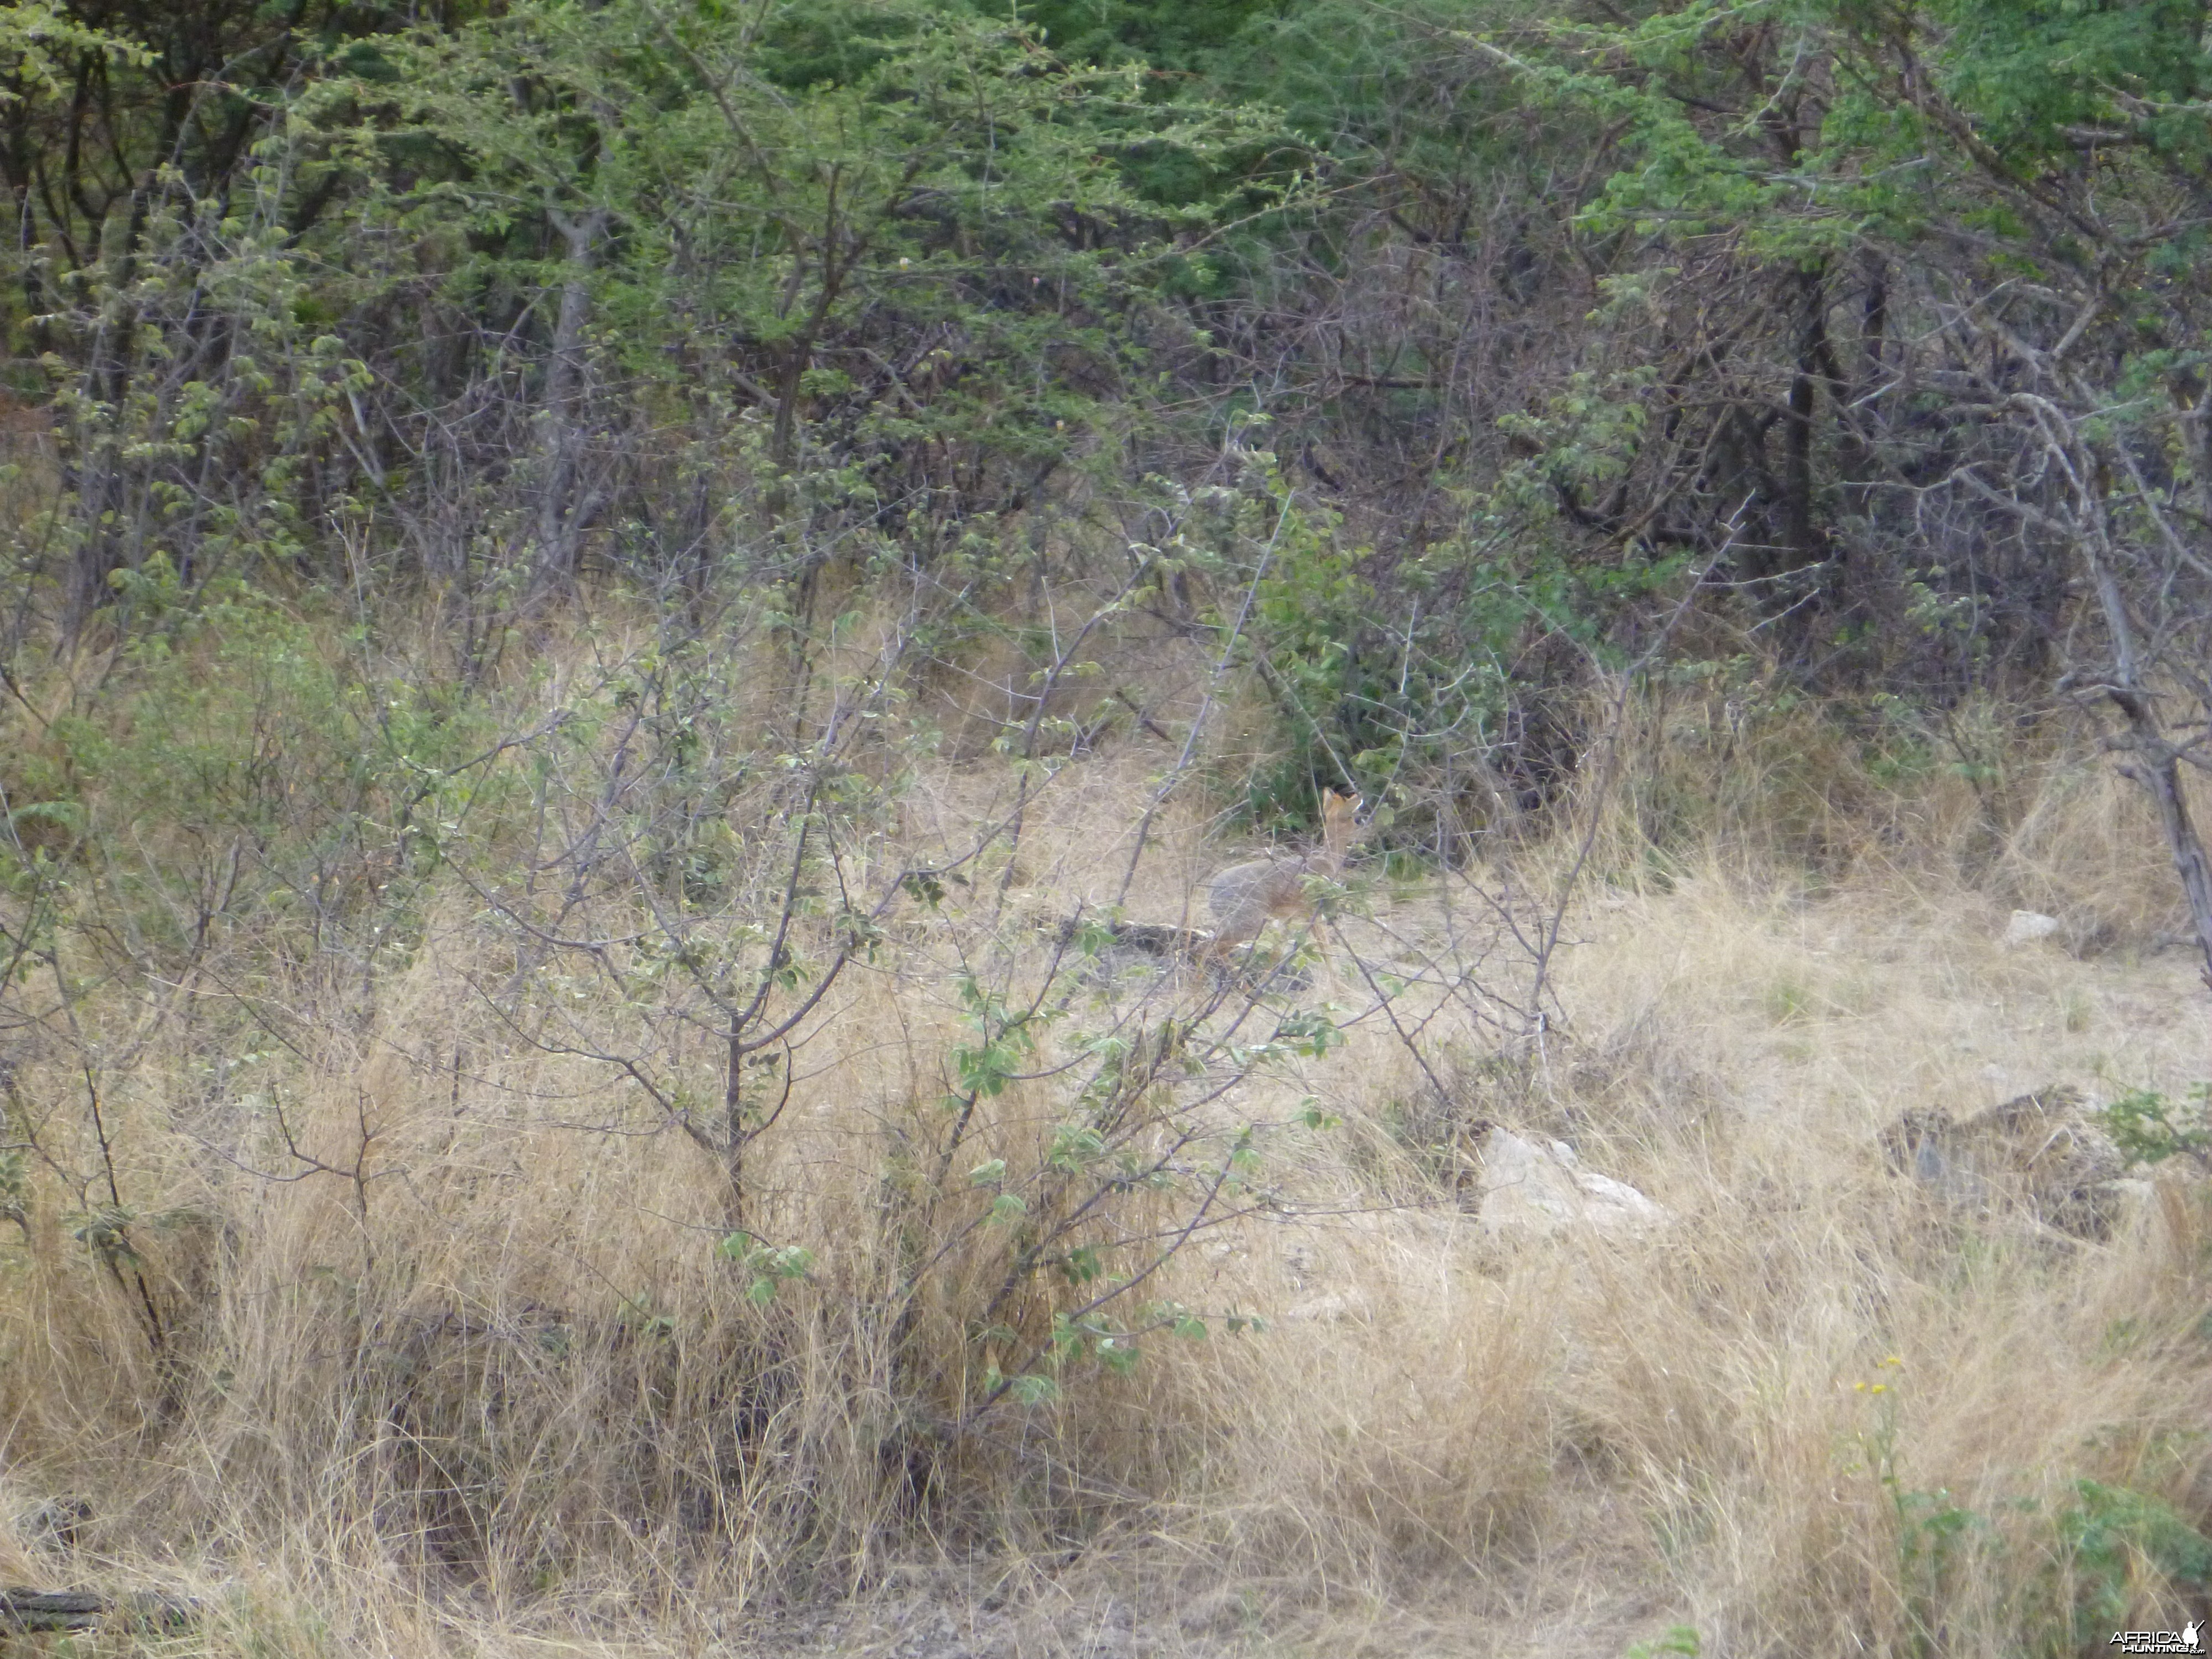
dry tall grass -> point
(389, 1330)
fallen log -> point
(22, 1610)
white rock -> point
(1534, 1192)
(2029, 926)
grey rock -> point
(2041, 1151)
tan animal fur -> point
(1243, 896)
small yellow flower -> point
(1860, 1387)
(1894, 1360)
(1880, 1387)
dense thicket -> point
(1866, 320)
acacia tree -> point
(892, 249)
(488, 290)
(2004, 209)
(144, 272)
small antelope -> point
(1243, 896)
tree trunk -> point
(1801, 534)
(564, 505)
(2156, 761)
(2157, 767)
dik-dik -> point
(1243, 896)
